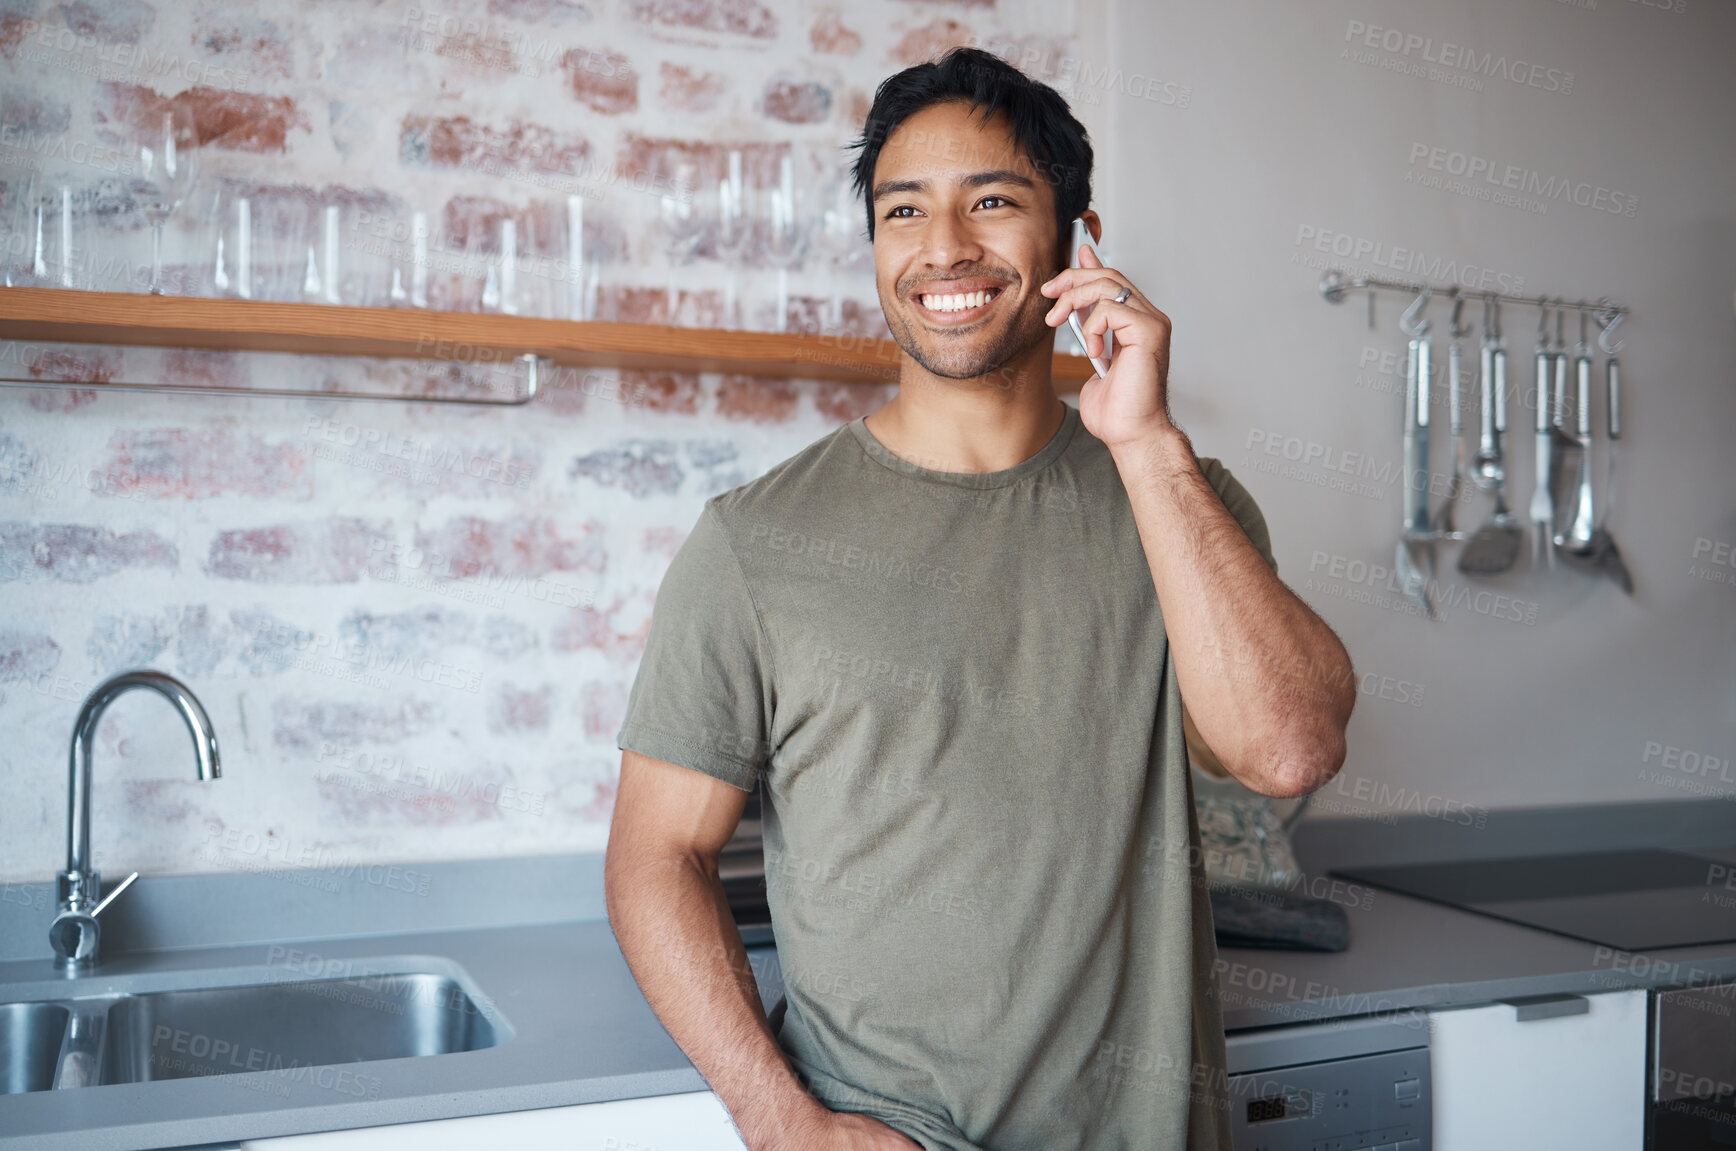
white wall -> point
(1215, 207)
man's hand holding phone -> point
(1130, 402)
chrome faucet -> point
(74, 934)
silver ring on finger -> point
(1122, 297)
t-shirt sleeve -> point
(702, 696)
(1242, 506)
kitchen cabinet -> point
(695, 1121)
(1564, 1074)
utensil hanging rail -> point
(1564, 516)
(1335, 285)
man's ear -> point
(1094, 225)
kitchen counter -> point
(531, 936)
(582, 1032)
(1408, 954)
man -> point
(951, 640)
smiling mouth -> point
(956, 304)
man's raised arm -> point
(1267, 683)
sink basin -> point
(30, 1035)
(187, 1024)
(284, 1027)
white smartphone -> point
(1082, 235)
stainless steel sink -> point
(30, 1035)
(287, 1026)
(235, 1021)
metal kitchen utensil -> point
(1492, 548)
(1487, 468)
(1414, 558)
(1597, 553)
(1603, 558)
(1612, 409)
(1542, 502)
(1565, 450)
(1442, 523)
(1609, 558)
(1576, 537)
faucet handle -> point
(110, 897)
(75, 934)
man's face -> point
(964, 235)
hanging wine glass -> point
(168, 163)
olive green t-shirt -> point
(981, 855)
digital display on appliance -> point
(1290, 1105)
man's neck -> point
(987, 424)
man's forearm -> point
(1268, 684)
(674, 927)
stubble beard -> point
(1021, 332)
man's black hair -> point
(1043, 126)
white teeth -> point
(955, 301)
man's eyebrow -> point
(974, 180)
(997, 176)
(893, 187)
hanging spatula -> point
(1494, 547)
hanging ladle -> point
(1587, 544)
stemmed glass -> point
(841, 236)
(405, 264)
(500, 280)
(733, 230)
(168, 156)
(679, 221)
(579, 298)
(531, 244)
(786, 234)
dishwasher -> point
(1692, 1102)
(1348, 1085)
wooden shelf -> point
(319, 329)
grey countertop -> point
(583, 1034)
(1409, 954)
(531, 936)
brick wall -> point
(414, 626)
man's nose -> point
(949, 239)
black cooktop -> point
(1633, 900)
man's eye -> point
(994, 201)
(904, 211)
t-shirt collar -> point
(1045, 456)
